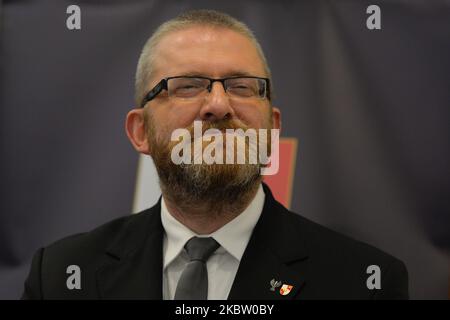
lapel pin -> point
(285, 289)
(274, 284)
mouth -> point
(229, 133)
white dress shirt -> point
(223, 264)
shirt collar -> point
(233, 236)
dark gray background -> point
(370, 110)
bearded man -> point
(216, 232)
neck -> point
(208, 217)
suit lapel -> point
(133, 266)
(275, 258)
(133, 263)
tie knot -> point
(201, 248)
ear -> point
(276, 118)
(135, 129)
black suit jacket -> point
(123, 260)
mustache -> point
(221, 125)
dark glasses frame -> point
(162, 85)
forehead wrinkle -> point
(229, 74)
(219, 43)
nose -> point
(216, 105)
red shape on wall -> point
(281, 183)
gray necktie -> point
(193, 283)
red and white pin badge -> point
(285, 289)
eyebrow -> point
(226, 75)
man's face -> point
(214, 53)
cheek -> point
(255, 117)
(170, 118)
(180, 118)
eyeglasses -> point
(192, 88)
